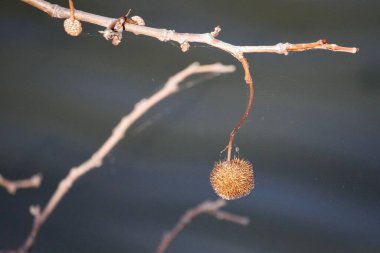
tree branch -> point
(96, 160)
(115, 27)
(207, 207)
(13, 186)
(57, 11)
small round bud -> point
(185, 46)
(72, 27)
(138, 20)
(232, 179)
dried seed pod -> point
(232, 179)
(72, 27)
(138, 20)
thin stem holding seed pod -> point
(72, 15)
(249, 82)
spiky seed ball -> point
(72, 27)
(232, 179)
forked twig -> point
(13, 186)
(207, 207)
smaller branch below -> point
(207, 207)
(171, 86)
(13, 186)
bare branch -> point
(13, 186)
(57, 11)
(115, 27)
(118, 133)
(207, 207)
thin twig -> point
(207, 207)
(118, 133)
(13, 186)
(57, 11)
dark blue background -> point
(313, 135)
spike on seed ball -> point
(232, 179)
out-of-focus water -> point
(313, 135)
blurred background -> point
(313, 135)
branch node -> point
(282, 48)
(56, 10)
(166, 35)
(216, 31)
(238, 54)
(35, 210)
(138, 20)
(119, 25)
(110, 34)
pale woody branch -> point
(115, 27)
(13, 186)
(40, 216)
(57, 11)
(207, 207)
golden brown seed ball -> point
(232, 179)
(72, 26)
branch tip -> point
(13, 186)
(206, 207)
